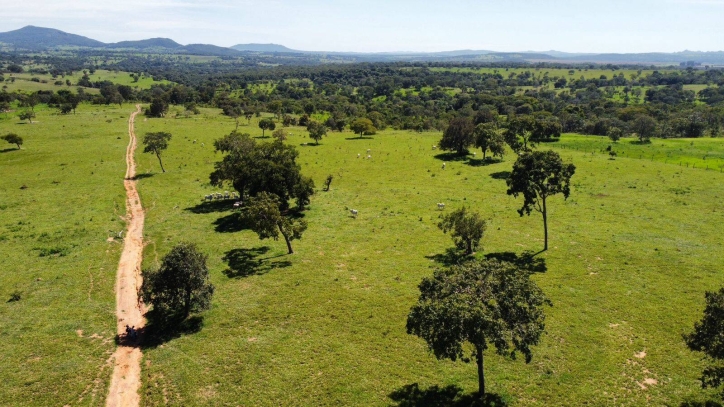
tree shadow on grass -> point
(501, 175)
(246, 262)
(212, 206)
(359, 138)
(451, 257)
(484, 162)
(453, 156)
(231, 223)
(159, 330)
(7, 150)
(412, 395)
(309, 145)
(142, 176)
(526, 260)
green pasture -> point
(61, 199)
(23, 81)
(632, 252)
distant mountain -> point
(36, 38)
(263, 48)
(206, 49)
(145, 44)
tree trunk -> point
(481, 374)
(484, 150)
(159, 161)
(18, 145)
(545, 225)
(469, 249)
(286, 239)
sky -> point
(391, 25)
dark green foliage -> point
(266, 219)
(316, 130)
(537, 175)
(157, 108)
(253, 168)
(13, 138)
(266, 124)
(487, 138)
(156, 143)
(28, 115)
(644, 127)
(466, 228)
(614, 133)
(363, 127)
(708, 338)
(482, 302)
(180, 286)
(328, 182)
(458, 136)
(519, 133)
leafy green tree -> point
(482, 303)
(707, 338)
(316, 130)
(328, 182)
(363, 127)
(253, 168)
(644, 127)
(27, 115)
(538, 175)
(180, 286)
(487, 138)
(466, 228)
(280, 134)
(267, 220)
(156, 143)
(615, 134)
(458, 136)
(266, 124)
(519, 133)
(157, 108)
(13, 138)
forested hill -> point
(33, 38)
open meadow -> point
(632, 252)
(61, 205)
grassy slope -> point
(632, 252)
(23, 82)
(73, 168)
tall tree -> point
(645, 127)
(180, 286)
(156, 143)
(316, 130)
(13, 138)
(27, 115)
(466, 228)
(487, 138)
(363, 127)
(538, 175)
(266, 124)
(458, 136)
(519, 133)
(253, 168)
(266, 218)
(707, 338)
(481, 303)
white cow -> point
(368, 151)
(369, 156)
(440, 206)
(358, 155)
(353, 212)
(434, 147)
(443, 166)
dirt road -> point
(126, 379)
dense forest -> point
(414, 96)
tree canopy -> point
(538, 175)
(466, 228)
(487, 138)
(363, 127)
(267, 220)
(482, 302)
(253, 168)
(156, 143)
(458, 136)
(316, 130)
(180, 285)
(13, 138)
(266, 124)
(708, 338)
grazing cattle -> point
(440, 206)
(208, 197)
(358, 155)
(369, 156)
(353, 212)
(194, 141)
(227, 195)
(474, 153)
(217, 195)
(443, 166)
(368, 151)
(202, 144)
(236, 205)
(434, 147)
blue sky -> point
(392, 25)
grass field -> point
(61, 197)
(632, 252)
(23, 81)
